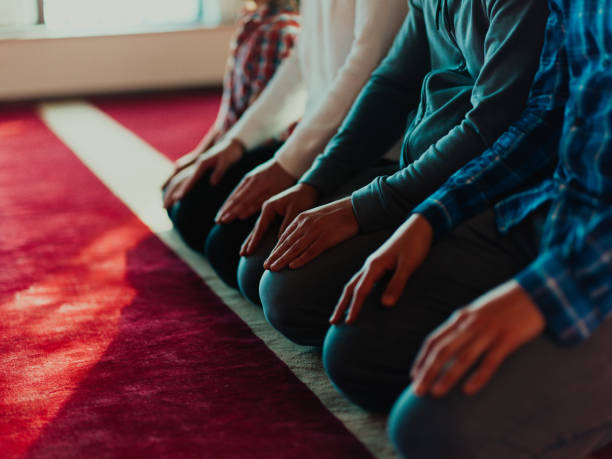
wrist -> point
(346, 207)
(281, 171)
(238, 144)
(422, 225)
(308, 190)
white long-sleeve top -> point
(340, 44)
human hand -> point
(311, 233)
(263, 182)
(402, 253)
(490, 328)
(180, 165)
(287, 204)
(219, 158)
(188, 159)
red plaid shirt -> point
(265, 37)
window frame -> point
(40, 5)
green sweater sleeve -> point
(380, 113)
(511, 49)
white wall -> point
(18, 12)
(47, 66)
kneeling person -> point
(457, 75)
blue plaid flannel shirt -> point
(567, 122)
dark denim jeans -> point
(193, 216)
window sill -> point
(38, 32)
(40, 64)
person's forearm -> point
(498, 96)
(376, 25)
(570, 284)
(371, 128)
(380, 114)
(387, 201)
(280, 104)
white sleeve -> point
(376, 24)
(278, 106)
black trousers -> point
(193, 216)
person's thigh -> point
(298, 302)
(251, 270)
(193, 216)
(545, 401)
(369, 361)
(222, 248)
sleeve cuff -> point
(438, 216)
(549, 284)
(324, 179)
(369, 210)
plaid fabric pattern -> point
(567, 122)
(265, 37)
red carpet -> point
(111, 347)
(172, 123)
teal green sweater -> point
(457, 75)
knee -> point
(407, 433)
(430, 428)
(250, 270)
(222, 255)
(287, 311)
(189, 223)
(277, 301)
(365, 372)
(346, 362)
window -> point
(18, 13)
(96, 16)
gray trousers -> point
(297, 317)
(545, 401)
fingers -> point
(360, 293)
(184, 187)
(187, 184)
(461, 363)
(261, 226)
(396, 285)
(250, 210)
(233, 200)
(439, 358)
(169, 179)
(357, 290)
(287, 232)
(285, 241)
(312, 251)
(345, 299)
(437, 336)
(239, 210)
(169, 194)
(219, 171)
(289, 217)
(179, 166)
(286, 252)
(487, 368)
